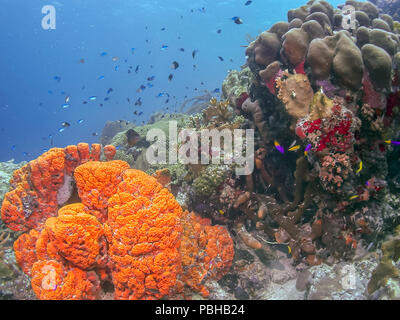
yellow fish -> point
(294, 148)
(289, 249)
(360, 167)
(213, 101)
(221, 212)
(353, 197)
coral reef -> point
(128, 230)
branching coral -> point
(196, 104)
(336, 169)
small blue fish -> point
(110, 90)
(100, 78)
(133, 50)
(248, 3)
(160, 94)
(57, 78)
(217, 90)
(61, 130)
(66, 105)
(80, 121)
(116, 68)
(237, 20)
(118, 147)
(92, 98)
(106, 98)
(13, 147)
(164, 47)
(103, 54)
(151, 78)
(50, 92)
(149, 85)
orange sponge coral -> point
(38, 188)
(77, 236)
(52, 281)
(97, 182)
(129, 229)
(207, 252)
(144, 236)
(25, 250)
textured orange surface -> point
(52, 281)
(77, 236)
(25, 250)
(109, 152)
(144, 237)
(97, 182)
(207, 252)
(128, 229)
(33, 194)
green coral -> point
(237, 82)
(396, 26)
(210, 179)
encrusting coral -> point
(128, 229)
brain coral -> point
(128, 229)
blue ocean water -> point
(40, 68)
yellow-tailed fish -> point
(279, 147)
(397, 143)
(294, 148)
(353, 197)
(308, 148)
(289, 249)
(360, 167)
(221, 212)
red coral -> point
(375, 99)
(333, 133)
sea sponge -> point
(51, 280)
(25, 250)
(143, 230)
(97, 182)
(296, 93)
(379, 65)
(207, 251)
(34, 194)
(128, 230)
(78, 236)
(321, 106)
